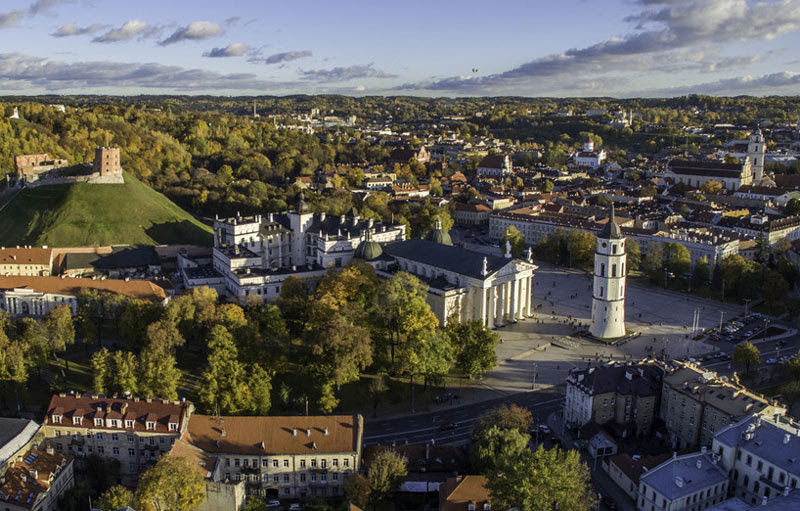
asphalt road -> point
(425, 427)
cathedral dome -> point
(368, 250)
(439, 235)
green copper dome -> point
(368, 250)
(439, 235)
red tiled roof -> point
(139, 410)
(276, 435)
(23, 483)
(33, 255)
(458, 492)
(71, 287)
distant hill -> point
(98, 214)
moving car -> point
(447, 427)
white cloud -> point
(72, 29)
(194, 31)
(232, 50)
(127, 31)
(278, 58)
(342, 74)
(27, 72)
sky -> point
(620, 48)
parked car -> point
(449, 426)
(274, 503)
(544, 428)
(770, 361)
(295, 506)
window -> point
(749, 460)
(115, 451)
(100, 450)
(602, 269)
(759, 465)
(114, 437)
(286, 491)
(314, 463)
(335, 476)
(227, 476)
(346, 462)
(131, 452)
(286, 463)
(128, 423)
(173, 426)
(323, 463)
(302, 463)
(613, 270)
(132, 467)
(264, 463)
(275, 478)
(151, 425)
(236, 462)
(601, 291)
(285, 478)
(313, 477)
(275, 463)
(335, 462)
(255, 462)
(130, 438)
(98, 436)
(98, 422)
(302, 478)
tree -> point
(357, 490)
(581, 246)
(475, 346)
(432, 357)
(494, 445)
(37, 345)
(222, 383)
(123, 376)
(172, 484)
(101, 370)
(294, 303)
(701, 273)
(260, 390)
(711, 187)
(774, 287)
(255, 503)
(164, 335)
(792, 208)
(60, 329)
(543, 480)
(653, 263)
(747, 354)
(677, 259)
(158, 374)
(514, 238)
(504, 417)
(546, 186)
(13, 364)
(385, 473)
(116, 497)
(634, 254)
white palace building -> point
(253, 255)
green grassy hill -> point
(84, 214)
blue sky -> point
(617, 48)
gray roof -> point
(611, 230)
(14, 434)
(120, 257)
(639, 380)
(789, 502)
(456, 259)
(732, 504)
(767, 441)
(680, 476)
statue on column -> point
(508, 249)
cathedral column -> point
(512, 310)
(500, 305)
(530, 296)
(490, 320)
(482, 308)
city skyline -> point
(625, 48)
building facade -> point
(697, 173)
(625, 395)
(761, 453)
(495, 165)
(695, 404)
(756, 148)
(282, 457)
(36, 481)
(26, 261)
(691, 482)
(106, 161)
(131, 430)
(608, 295)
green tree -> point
(541, 481)
(494, 445)
(515, 238)
(677, 259)
(172, 484)
(747, 354)
(13, 364)
(385, 473)
(222, 388)
(164, 335)
(581, 246)
(158, 374)
(432, 357)
(37, 345)
(357, 490)
(504, 417)
(774, 287)
(711, 187)
(295, 304)
(475, 346)
(101, 370)
(116, 497)
(634, 255)
(60, 329)
(701, 273)
(792, 208)
(123, 376)
(260, 386)
(255, 503)
(546, 186)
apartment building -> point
(691, 482)
(622, 394)
(132, 430)
(36, 481)
(282, 457)
(762, 456)
(26, 261)
(695, 404)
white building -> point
(691, 482)
(761, 455)
(253, 255)
(590, 157)
(755, 155)
(608, 297)
(697, 173)
(495, 165)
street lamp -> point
(721, 314)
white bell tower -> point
(608, 297)
(755, 153)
